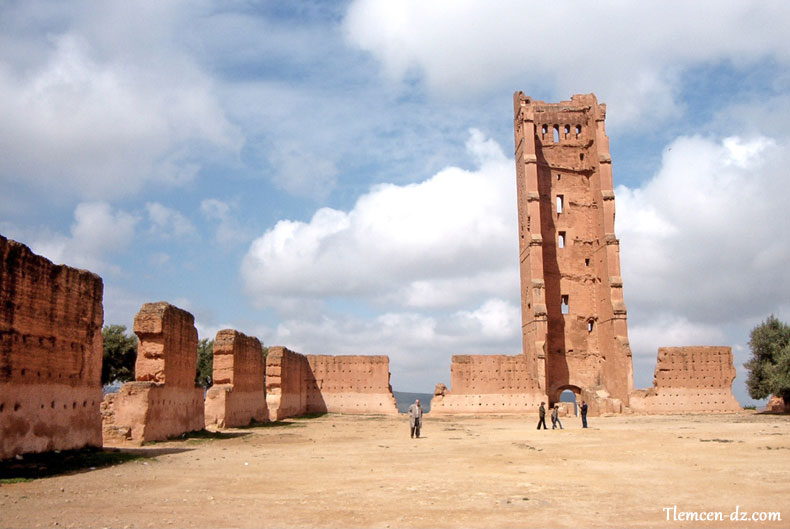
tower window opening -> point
(590, 325)
(545, 129)
(559, 204)
(564, 304)
(556, 133)
(561, 239)
(578, 129)
(581, 156)
(587, 262)
(567, 129)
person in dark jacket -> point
(584, 414)
(542, 414)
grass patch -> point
(202, 436)
(271, 424)
(37, 466)
(315, 415)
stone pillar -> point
(238, 395)
(164, 400)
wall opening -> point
(559, 203)
(587, 262)
(590, 325)
(545, 129)
(556, 133)
(578, 129)
(570, 396)
(567, 129)
(564, 304)
(561, 240)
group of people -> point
(415, 417)
(555, 416)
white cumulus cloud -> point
(420, 245)
(631, 55)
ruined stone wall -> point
(50, 354)
(288, 380)
(238, 394)
(297, 384)
(574, 327)
(689, 379)
(350, 384)
(164, 400)
(489, 384)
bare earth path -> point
(351, 471)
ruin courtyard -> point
(341, 470)
(285, 439)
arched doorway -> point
(568, 394)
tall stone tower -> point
(574, 325)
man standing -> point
(415, 418)
(584, 414)
(542, 413)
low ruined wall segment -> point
(51, 318)
(689, 379)
(297, 384)
(489, 384)
(164, 401)
(238, 394)
(350, 384)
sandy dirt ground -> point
(357, 471)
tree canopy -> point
(769, 366)
(120, 354)
(205, 363)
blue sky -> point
(337, 177)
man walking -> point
(415, 418)
(555, 417)
(542, 413)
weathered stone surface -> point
(489, 384)
(350, 384)
(163, 401)
(777, 404)
(167, 353)
(574, 325)
(288, 376)
(297, 384)
(689, 379)
(238, 394)
(50, 353)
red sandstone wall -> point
(298, 384)
(164, 401)
(287, 379)
(238, 394)
(350, 384)
(50, 354)
(689, 379)
(168, 345)
(489, 384)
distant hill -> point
(406, 399)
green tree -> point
(120, 354)
(769, 367)
(205, 363)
